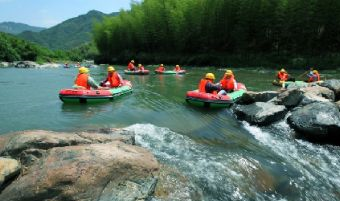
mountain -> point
(17, 28)
(68, 34)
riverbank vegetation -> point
(13, 48)
(224, 32)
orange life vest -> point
(114, 79)
(283, 76)
(203, 83)
(131, 66)
(81, 80)
(141, 68)
(228, 83)
(314, 78)
(177, 68)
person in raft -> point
(84, 80)
(228, 83)
(282, 75)
(113, 78)
(161, 68)
(131, 66)
(207, 85)
(314, 76)
(177, 68)
(140, 67)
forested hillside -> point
(224, 32)
(69, 34)
(16, 28)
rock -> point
(338, 104)
(14, 144)
(289, 98)
(49, 65)
(320, 91)
(333, 85)
(317, 121)
(20, 141)
(26, 64)
(251, 97)
(297, 85)
(260, 113)
(112, 171)
(309, 98)
(4, 64)
(9, 168)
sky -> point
(47, 13)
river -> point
(223, 158)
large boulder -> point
(289, 98)
(260, 113)
(338, 104)
(251, 97)
(333, 85)
(9, 168)
(16, 143)
(317, 94)
(112, 171)
(320, 120)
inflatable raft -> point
(169, 72)
(137, 72)
(213, 100)
(93, 96)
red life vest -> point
(283, 76)
(161, 68)
(141, 68)
(114, 79)
(81, 80)
(203, 83)
(131, 66)
(177, 68)
(228, 83)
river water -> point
(222, 158)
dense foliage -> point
(16, 49)
(224, 32)
(68, 34)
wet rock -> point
(14, 144)
(112, 171)
(4, 64)
(333, 85)
(251, 97)
(9, 168)
(320, 91)
(317, 121)
(26, 64)
(39, 139)
(289, 98)
(309, 98)
(338, 104)
(260, 113)
(297, 85)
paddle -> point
(303, 73)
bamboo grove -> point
(223, 32)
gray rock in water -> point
(338, 104)
(260, 113)
(333, 85)
(87, 172)
(9, 168)
(318, 120)
(317, 94)
(251, 97)
(290, 98)
(26, 64)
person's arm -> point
(93, 83)
(213, 87)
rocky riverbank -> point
(45, 165)
(28, 64)
(311, 110)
